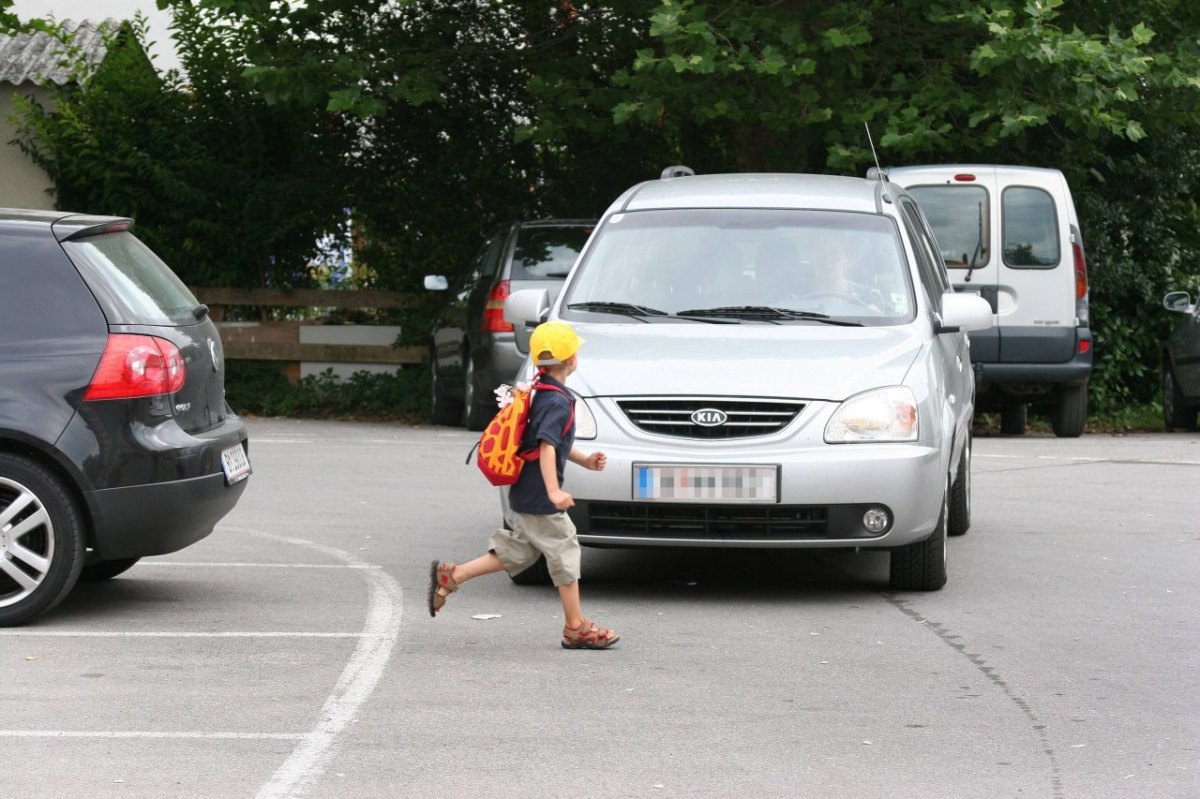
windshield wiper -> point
(623, 308)
(768, 313)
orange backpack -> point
(499, 457)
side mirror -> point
(526, 309)
(964, 312)
(436, 283)
(1179, 302)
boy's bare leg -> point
(485, 564)
(572, 613)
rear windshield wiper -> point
(622, 308)
(768, 313)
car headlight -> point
(884, 414)
(585, 422)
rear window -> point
(959, 218)
(547, 252)
(1030, 229)
(133, 284)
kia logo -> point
(709, 417)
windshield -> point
(746, 265)
(133, 284)
(960, 218)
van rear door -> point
(960, 204)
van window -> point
(132, 284)
(1030, 228)
(960, 220)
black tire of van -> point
(537, 574)
(960, 495)
(1013, 416)
(1069, 414)
(922, 566)
(1176, 412)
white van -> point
(1011, 234)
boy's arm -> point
(548, 463)
(595, 461)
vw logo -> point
(216, 358)
(709, 417)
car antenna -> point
(877, 172)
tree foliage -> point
(437, 119)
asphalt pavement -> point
(290, 653)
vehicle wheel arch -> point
(44, 456)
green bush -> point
(260, 388)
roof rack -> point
(677, 171)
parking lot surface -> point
(290, 653)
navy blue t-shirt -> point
(548, 416)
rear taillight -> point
(1081, 284)
(493, 311)
(137, 366)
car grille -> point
(672, 416)
(719, 522)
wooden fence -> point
(285, 341)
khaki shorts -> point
(535, 534)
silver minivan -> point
(771, 361)
(1011, 235)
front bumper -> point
(823, 489)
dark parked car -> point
(1181, 364)
(115, 439)
(472, 350)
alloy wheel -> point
(26, 542)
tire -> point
(1176, 413)
(922, 566)
(103, 570)
(537, 574)
(441, 410)
(1069, 415)
(42, 544)
(960, 495)
(1013, 417)
(475, 414)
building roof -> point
(38, 57)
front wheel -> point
(41, 540)
(922, 566)
(1069, 413)
(960, 494)
(537, 574)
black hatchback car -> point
(115, 438)
(473, 349)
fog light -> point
(875, 520)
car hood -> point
(815, 362)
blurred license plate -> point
(235, 464)
(699, 483)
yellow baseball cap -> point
(557, 338)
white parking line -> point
(1080, 459)
(236, 565)
(270, 736)
(295, 778)
(144, 634)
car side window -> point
(929, 267)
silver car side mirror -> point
(1179, 302)
(525, 310)
(964, 312)
(436, 283)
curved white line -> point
(308, 760)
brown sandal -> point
(441, 576)
(588, 636)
